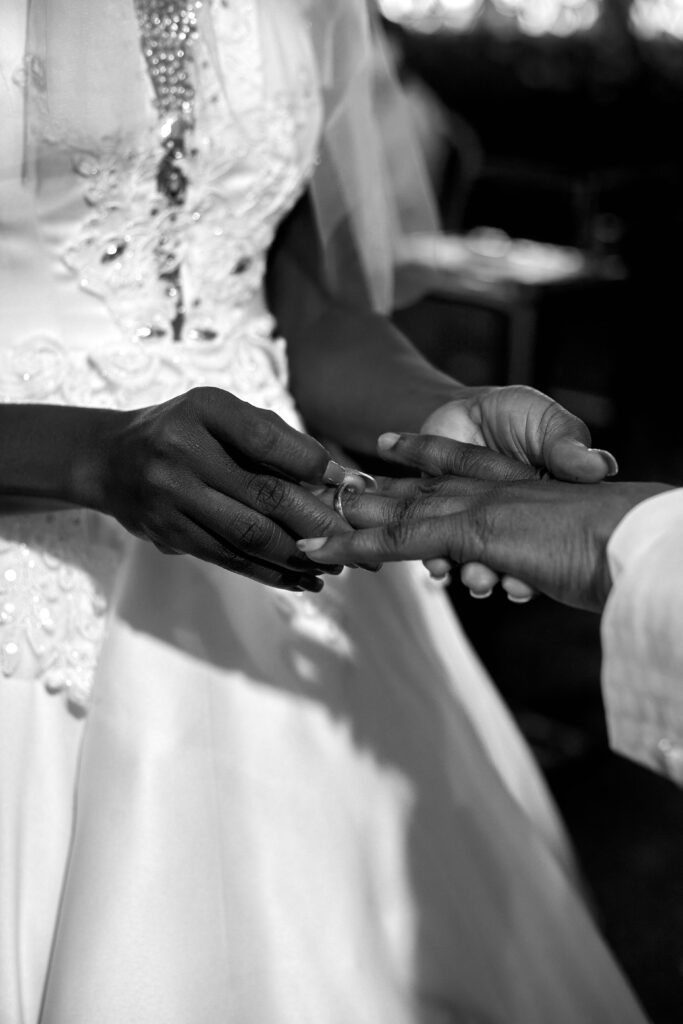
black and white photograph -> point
(341, 512)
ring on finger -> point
(355, 482)
(339, 493)
(359, 482)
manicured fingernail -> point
(608, 459)
(440, 581)
(520, 598)
(385, 442)
(334, 474)
(311, 583)
(311, 543)
(480, 595)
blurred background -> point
(553, 131)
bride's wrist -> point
(86, 482)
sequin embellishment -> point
(168, 30)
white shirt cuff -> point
(642, 635)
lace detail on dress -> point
(251, 365)
(56, 574)
(179, 223)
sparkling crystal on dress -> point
(168, 30)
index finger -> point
(440, 456)
(264, 438)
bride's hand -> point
(209, 475)
(526, 425)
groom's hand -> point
(551, 534)
(521, 423)
(435, 456)
(438, 456)
(526, 425)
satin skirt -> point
(285, 809)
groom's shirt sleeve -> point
(642, 636)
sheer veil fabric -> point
(85, 45)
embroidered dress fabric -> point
(219, 802)
(357, 192)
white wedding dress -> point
(218, 802)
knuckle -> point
(252, 534)
(405, 509)
(428, 486)
(173, 437)
(202, 397)
(398, 534)
(204, 404)
(482, 527)
(270, 493)
(264, 429)
(156, 477)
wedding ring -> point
(360, 482)
(339, 493)
(355, 482)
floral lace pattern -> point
(244, 166)
(213, 246)
(56, 573)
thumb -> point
(568, 458)
(566, 452)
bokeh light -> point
(429, 15)
(531, 17)
(654, 18)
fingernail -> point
(311, 543)
(319, 491)
(520, 598)
(608, 459)
(480, 595)
(360, 482)
(312, 584)
(385, 442)
(334, 474)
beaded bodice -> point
(163, 237)
(143, 277)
